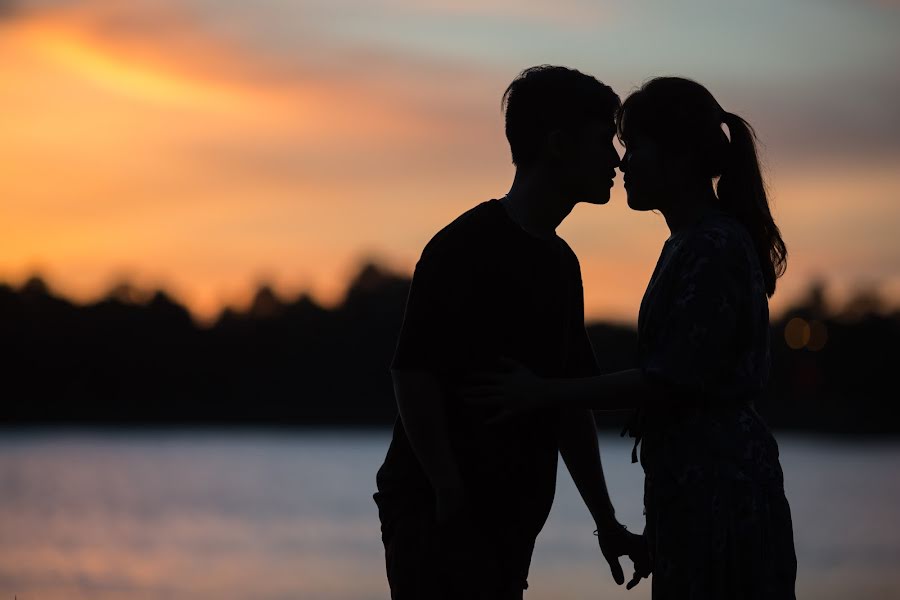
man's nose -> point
(616, 160)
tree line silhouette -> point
(134, 358)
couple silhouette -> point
(495, 377)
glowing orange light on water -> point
(797, 333)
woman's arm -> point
(518, 390)
(614, 391)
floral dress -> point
(718, 523)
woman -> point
(718, 523)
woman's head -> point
(672, 129)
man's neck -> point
(535, 206)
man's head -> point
(562, 121)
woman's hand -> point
(615, 541)
(514, 390)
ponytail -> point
(742, 191)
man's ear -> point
(558, 142)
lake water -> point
(260, 515)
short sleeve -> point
(582, 362)
(697, 340)
(439, 317)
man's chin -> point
(599, 199)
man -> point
(462, 497)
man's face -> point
(590, 162)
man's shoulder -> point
(567, 249)
(467, 233)
(569, 255)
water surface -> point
(260, 515)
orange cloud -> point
(116, 72)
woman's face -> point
(646, 177)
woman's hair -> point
(682, 116)
(546, 97)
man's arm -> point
(420, 400)
(581, 453)
(578, 431)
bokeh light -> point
(818, 336)
(796, 333)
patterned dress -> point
(718, 523)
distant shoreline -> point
(250, 427)
(140, 361)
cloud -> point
(8, 9)
(566, 13)
(884, 4)
(844, 118)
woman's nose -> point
(616, 160)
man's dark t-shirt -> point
(484, 288)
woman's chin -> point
(635, 202)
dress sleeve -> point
(439, 319)
(696, 345)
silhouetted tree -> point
(137, 356)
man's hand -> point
(615, 541)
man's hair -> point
(546, 97)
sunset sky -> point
(208, 146)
